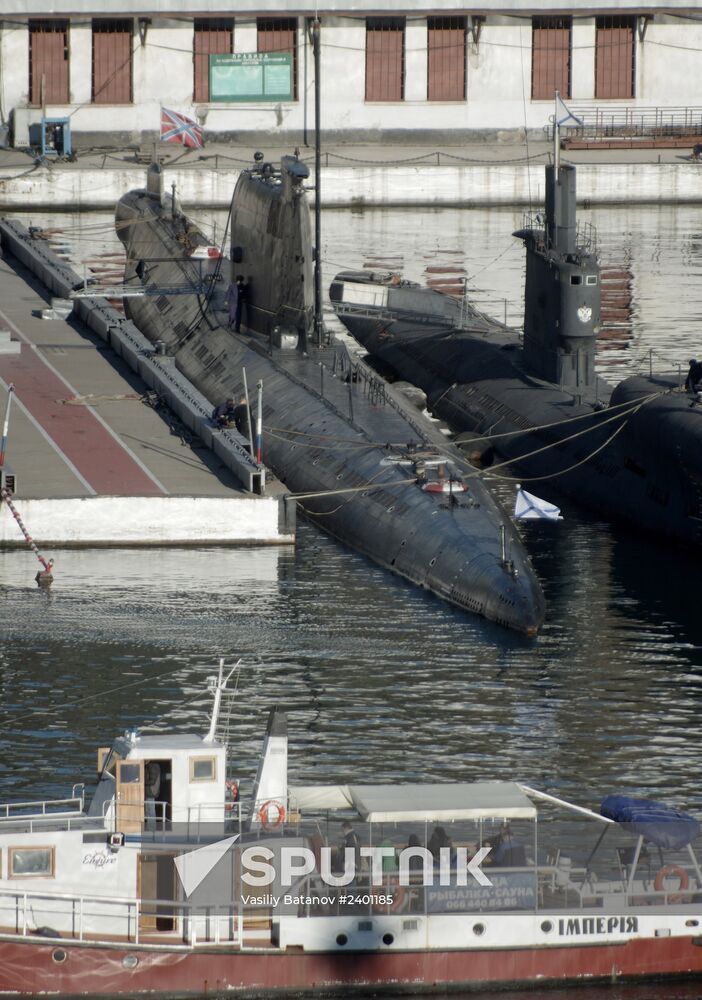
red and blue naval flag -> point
(176, 127)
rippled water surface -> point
(383, 682)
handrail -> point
(616, 116)
(39, 807)
(25, 907)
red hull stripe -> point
(78, 434)
(28, 967)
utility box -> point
(51, 136)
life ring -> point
(398, 898)
(231, 792)
(673, 871)
(278, 819)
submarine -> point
(360, 461)
(631, 452)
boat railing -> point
(57, 916)
(585, 234)
(517, 889)
(54, 809)
(195, 823)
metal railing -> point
(549, 888)
(57, 813)
(618, 123)
(194, 822)
(79, 917)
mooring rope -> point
(46, 563)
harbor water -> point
(381, 681)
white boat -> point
(163, 882)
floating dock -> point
(108, 445)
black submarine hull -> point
(632, 454)
(344, 443)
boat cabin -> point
(146, 782)
(111, 853)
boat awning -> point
(318, 798)
(661, 824)
(420, 803)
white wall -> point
(79, 869)
(498, 72)
(144, 520)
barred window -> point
(48, 62)
(614, 57)
(112, 61)
(446, 39)
(279, 34)
(385, 59)
(550, 57)
(213, 37)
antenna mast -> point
(218, 684)
(318, 322)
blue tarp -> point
(662, 825)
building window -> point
(550, 57)
(279, 34)
(48, 62)
(203, 768)
(213, 37)
(385, 59)
(112, 62)
(446, 40)
(614, 57)
(31, 862)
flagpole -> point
(556, 139)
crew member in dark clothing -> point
(349, 839)
(694, 375)
(223, 415)
(240, 418)
(438, 839)
(237, 296)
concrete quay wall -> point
(69, 188)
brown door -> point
(130, 796)
(279, 34)
(550, 69)
(446, 79)
(48, 62)
(385, 59)
(614, 57)
(156, 881)
(112, 61)
(212, 37)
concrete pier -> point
(480, 174)
(94, 464)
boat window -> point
(31, 862)
(591, 279)
(576, 279)
(129, 774)
(203, 768)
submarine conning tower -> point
(271, 249)
(562, 292)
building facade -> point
(395, 71)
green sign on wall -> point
(251, 76)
